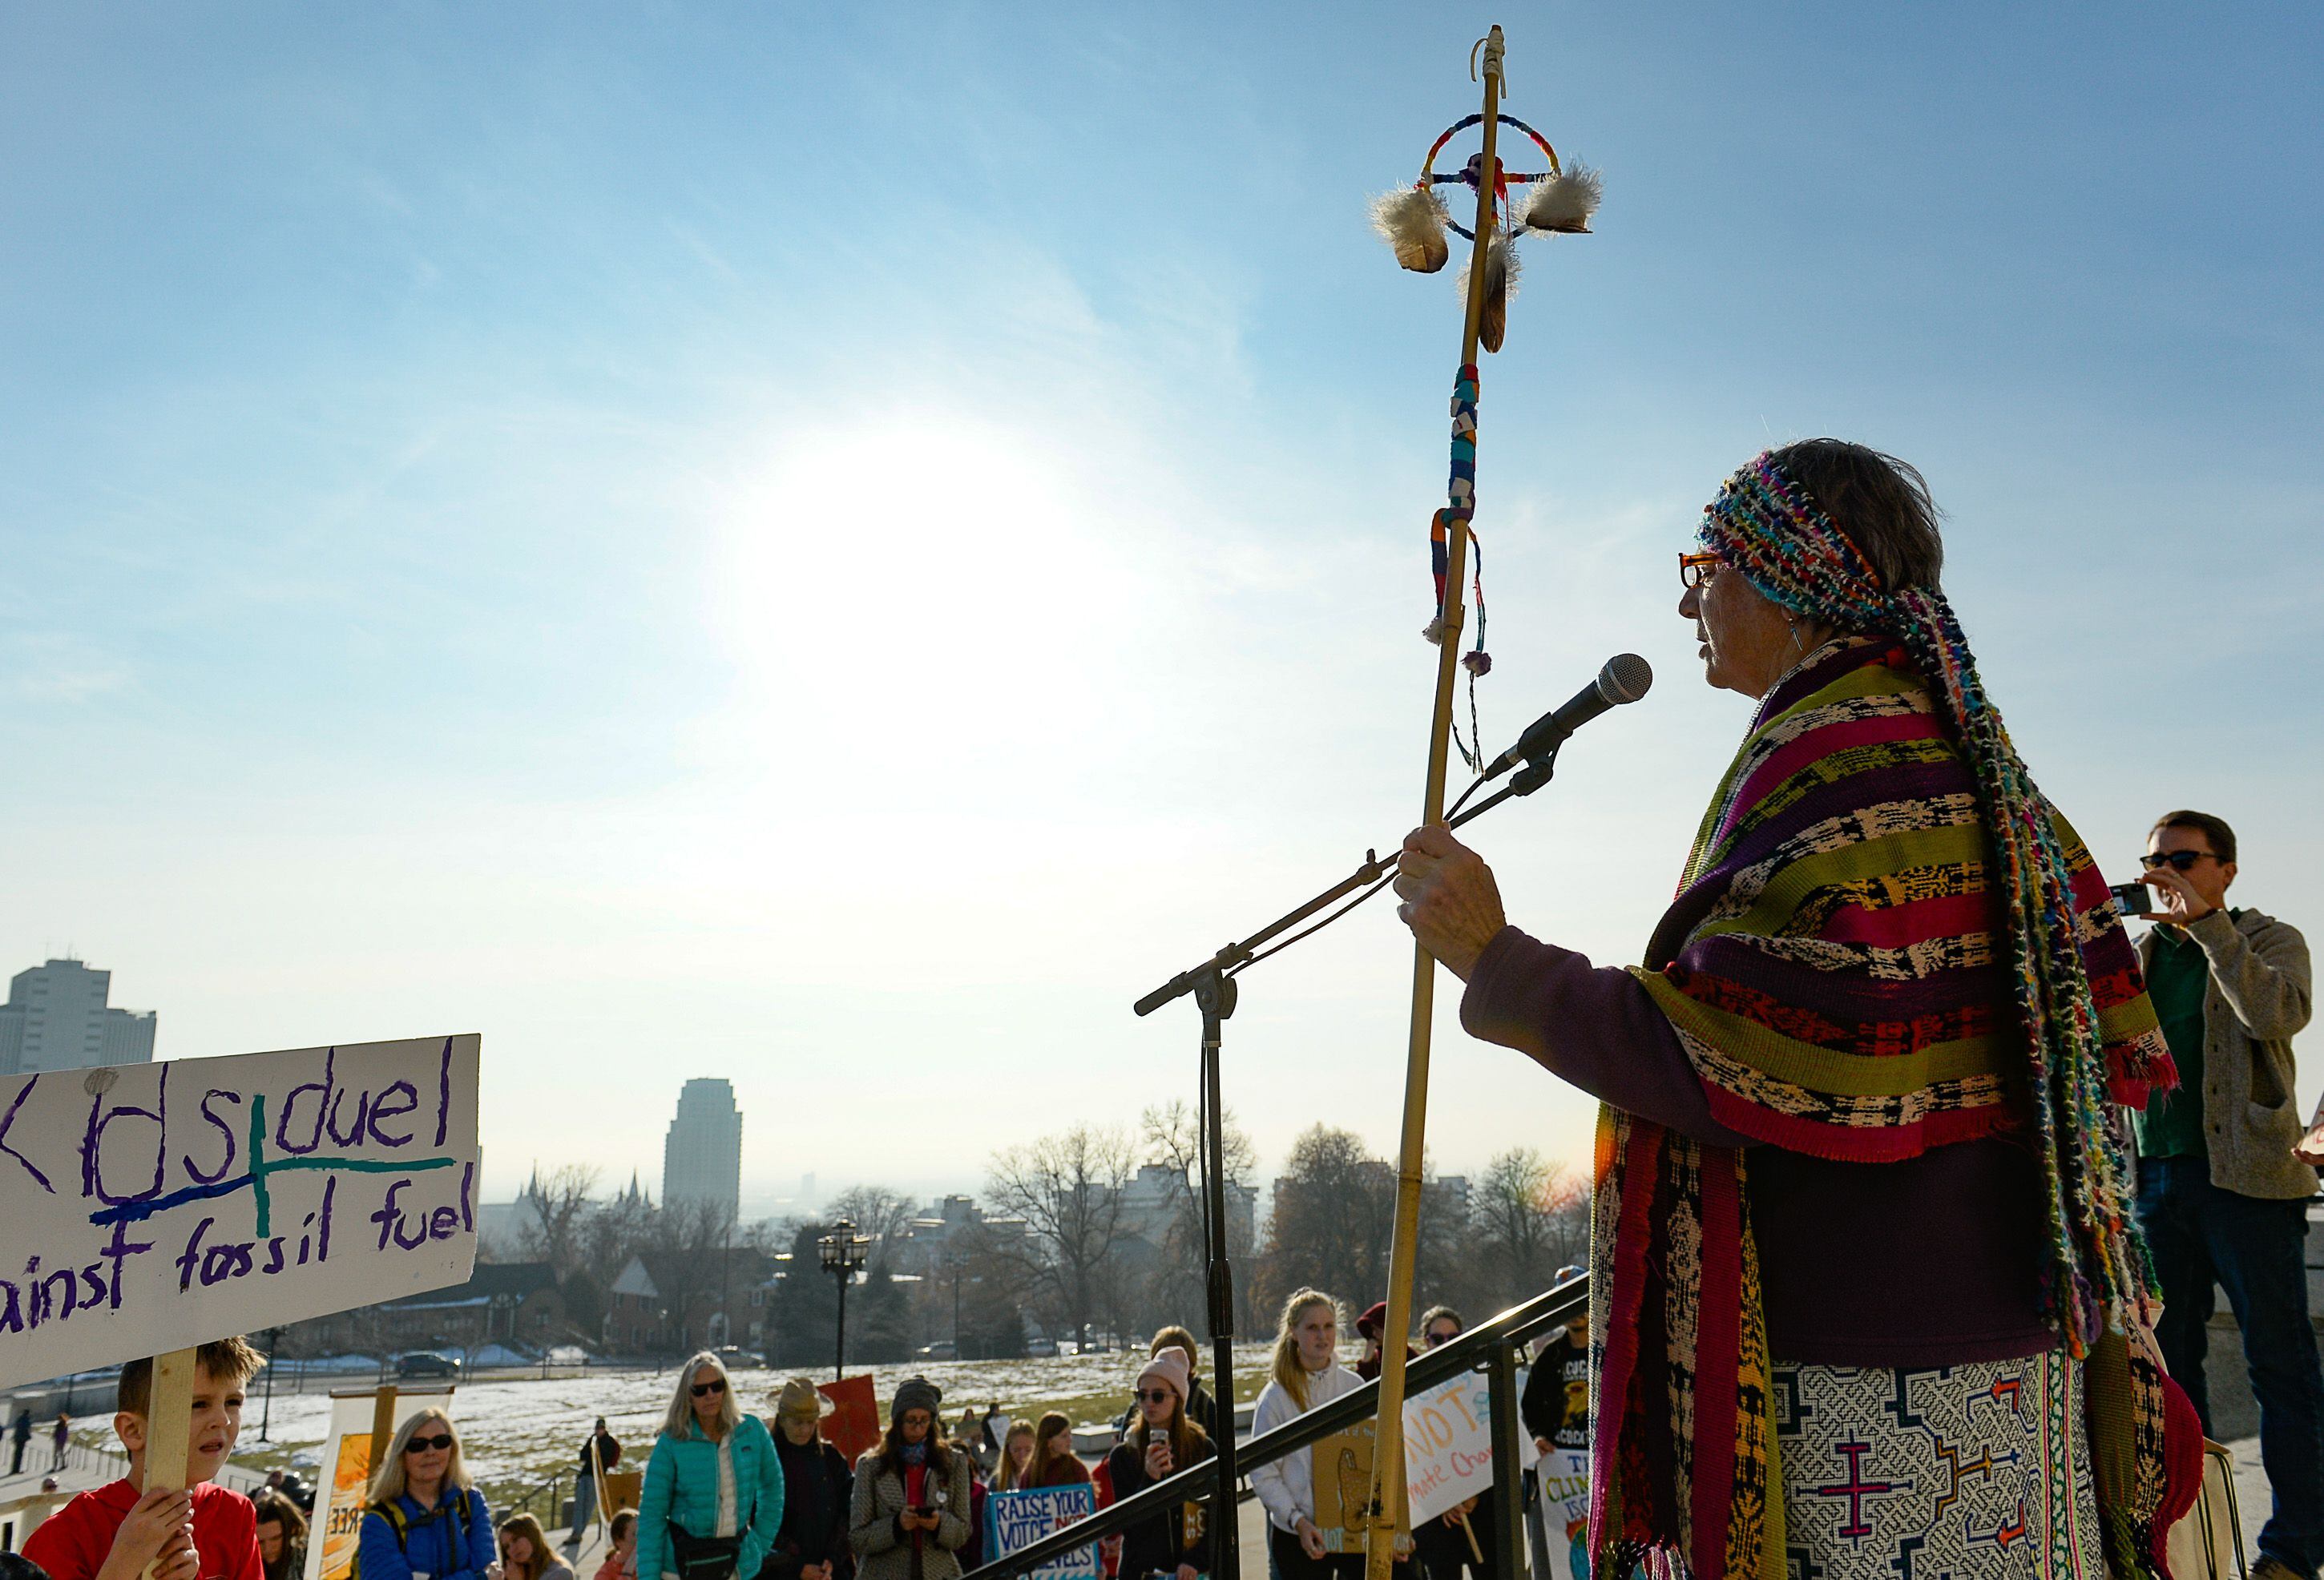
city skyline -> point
(59, 1016)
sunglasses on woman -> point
(700, 1389)
(2181, 860)
(422, 1445)
(1155, 1396)
(1436, 1338)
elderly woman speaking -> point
(1866, 1283)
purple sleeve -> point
(1593, 1027)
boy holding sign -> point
(203, 1532)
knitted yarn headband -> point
(1774, 532)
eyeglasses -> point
(918, 1418)
(714, 1386)
(422, 1445)
(2182, 861)
(1694, 569)
(1436, 1338)
(1155, 1396)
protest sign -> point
(1014, 1522)
(1448, 1445)
(1341, 1467)
(155, 1206)
(853, 1424)
(1565, 1512)
(346, 1470)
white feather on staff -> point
(1565, 201)
(1502, 267)
(1413, 219)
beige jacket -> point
(2259, 997)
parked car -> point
(427, 1363)
(1040, 1349)
(942, 1350)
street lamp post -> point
(843, 1252)
(266, 1412)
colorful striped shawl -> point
(1834, 968)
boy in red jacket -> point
(202, 1533)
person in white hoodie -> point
(1306, 1373)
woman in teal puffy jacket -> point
(714, 1493)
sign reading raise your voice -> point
(153, 1206)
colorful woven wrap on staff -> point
(1841, 964)
(1461, 486)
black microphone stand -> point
(1213, 984)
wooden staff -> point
(1388, 1505)
(169, 1424)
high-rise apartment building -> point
(56, 1018)
(702, 1157)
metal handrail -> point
(1482, 1346)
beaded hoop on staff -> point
(1503, 179)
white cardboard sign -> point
(152, 1207)
(1448, 1445)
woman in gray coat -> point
(910, 1515)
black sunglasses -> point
(711, 1387)
(422, 1445)
(1436, 1338)
(2182, 861)
(1155, 1396)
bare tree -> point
(565, 1201)
(1529, 1216)
(1173, 1137)
(885, 1215)
(1335, 1206)
(695, 1238)
(1069, 1189)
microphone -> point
(1625, 679)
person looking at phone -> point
(910, 1513)
(1165, 1441)
(2224, 1170)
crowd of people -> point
(728, 1495)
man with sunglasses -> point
(2225, 1168)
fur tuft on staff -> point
(1413, 219)
(1564, 202)
(1501, 268)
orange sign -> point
(854, 1428)
(343, 1523)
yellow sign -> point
(343, 1524)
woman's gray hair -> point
(679, 1421)
(388, 1481)
(1882, 504)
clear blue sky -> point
(834, 547)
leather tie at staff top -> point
(1508, 205)
(1559, 200)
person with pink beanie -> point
(1165, 1441)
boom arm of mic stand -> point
(1525, 782)
(1235, 954)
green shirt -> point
(2177, 974)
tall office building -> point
(701, 1158)
(56, 1018)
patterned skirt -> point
(1977, 1470)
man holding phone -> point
(2226, 1168)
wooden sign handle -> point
(169, 1424)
